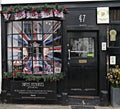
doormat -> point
(82, 107)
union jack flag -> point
(53, 28)
(25, 37)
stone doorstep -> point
(106, 107)
(85, 97)
(17, 106)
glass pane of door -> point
(82, 47)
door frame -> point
(85, 29)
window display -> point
(34, 47)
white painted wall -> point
(41, 1)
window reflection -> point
(82, 47)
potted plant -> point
(114, 78)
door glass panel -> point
(82, 47)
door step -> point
(81, 107)
(84, 97)
(84, 100)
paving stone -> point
(20, 106)
(15, 106)
(100, 107)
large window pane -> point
(27, 65)
(37, 67)
(9, 40)
(9, 66)
(17, 53)
(17, 40)
(17, 27)
(48, 66)
(48, 26)
(9, 28)
(37, 30)
(48, 40)
(9, 53)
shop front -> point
(57, 52)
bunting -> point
(30, 12)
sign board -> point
(112, 60)
(83, 61)
(103, 45)
(113, 34)
(33, 90)
(102, 15)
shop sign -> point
(103, 46)
(102, 15)
(33, 90)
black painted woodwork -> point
(78, 75)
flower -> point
(65, 9)
(14, 74)
(10, 9)
(113, 76)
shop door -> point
(82, 63)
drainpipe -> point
(0, 53)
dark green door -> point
(82, 63)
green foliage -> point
(45, 7)
(32, 77)
(114, 76)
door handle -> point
(68, 54)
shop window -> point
(34, 47)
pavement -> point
(24, 106)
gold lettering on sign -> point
(82, 61)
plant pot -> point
(115, 96)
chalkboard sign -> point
(33, 90)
